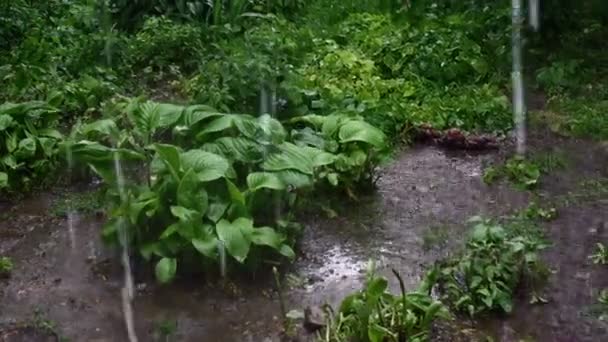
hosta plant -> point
(28, 143)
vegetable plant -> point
(494, 264)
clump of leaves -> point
(6, 267)
(535, 211)
(523, 173)
(374, 315)
(492, 267)
(601, 254)
(28, 143)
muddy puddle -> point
(65, 277)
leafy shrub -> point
(29, 144)
(373, 314)
(493, 266)
(162, 42)
(211, 192)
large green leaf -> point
(105, 127)
(165, 270)
(295, 179)
(168, 114)
(231, 234)
(356, 130)
(26, 148)
(190, 194)
(206, 246)
(290, 157)
(264, 180)
(146, 118)
(235, 148)
(6, 121)
(217, 125)
(266, 236)
(185, 214)
(208, 166)
(3, 180)
(169, 155)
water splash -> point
(222, 255)
(127, 291)
(70, 210)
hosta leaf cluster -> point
(209, 193)
(28, 143)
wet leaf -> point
(165, 270)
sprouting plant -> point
(166, 329)
(373, 314)
(521, 172)
(493, 265)
(6, 267)
(601, 254)
(535, 211)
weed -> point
(523, 173)
(373, 314)
(534, 212)
(493, 265)
(6, 267)
(165, 329)
(601, 254)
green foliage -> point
(601, 254)
(523, 173)
(373, 314)
(495, 263)
(209, 193)
(6, 267)
(28, 143)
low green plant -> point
(494, 264)
(28, 143)
(6, 267)
(523, 173)
(373, 314)
(535, 211)
(82, 202)
(601, 254)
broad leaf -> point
(266, 236)
(264, 180)
(6, 121)
(26, 149)
(3, 180)
(106, 127)
(190, 194)
(169, 155)
(207, 247)
(208, 166)
(165, 270)
(232, 236)
(290, 157)
(356, 130)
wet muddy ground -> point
(66, 280)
